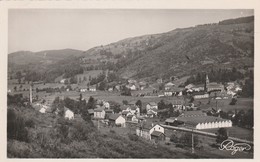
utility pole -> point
(192, 143)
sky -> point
(48, 29)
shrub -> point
(133, 137)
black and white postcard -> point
(129, 80)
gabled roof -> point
(170, 120)
(156, 133)
(169, 84)
(90, 111)
(152, 103)
(124, 107)
(114, 116)
(132, 102)
(201, 119)
(100, 109)
(133, 107)
(125, 112)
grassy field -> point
(223, 104)
(237, 132)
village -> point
(154, 114)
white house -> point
(168, 93)
(146, 131)
(189, 86)
(117, 120)
(132, 118)
(83, 90)
(99, 113)
(62, 81)
(42, 110)
(92, 89)
(68, 114)
(151, 105)
(106, 105)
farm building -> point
(150, 131)
(117, 120)
(68, 114)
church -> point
(213, 86)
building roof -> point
(214, 85)
(90, 111)
(133, 107)
(201, 119)
(109, 111)
(132, 102)
(124, 107)
(152, 103)
(193, 113)
(100, 109)
(169, 84)
(114, 116)
(170, 120)
(125, 112)
(156, 133)
(199, 93)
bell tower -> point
(206, 83)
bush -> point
(133, 137)
(16, 127)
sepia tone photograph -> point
(130, 83)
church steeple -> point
(206, 83)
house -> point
(117, 120)
(125, 113)
(152, 113)
(132, 103)
(189, 86)
(68, 114)
(132, 118)
(200, 95)
(132, 87)
(134, 110)
(202, 122)
(151, 105)
(106, 104)
(62, 81)
(168, 93)
(168, 85)
(159, 80)
(92, 89)
(91, 112)
(219, 95)
(131, 81)
(83, 90)
(145, 130)
(110, 89)
(108, 112)
(99, 113)
(198, 88)
(178, 104)
(42, 110)
(214, 87)
(142, 85)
